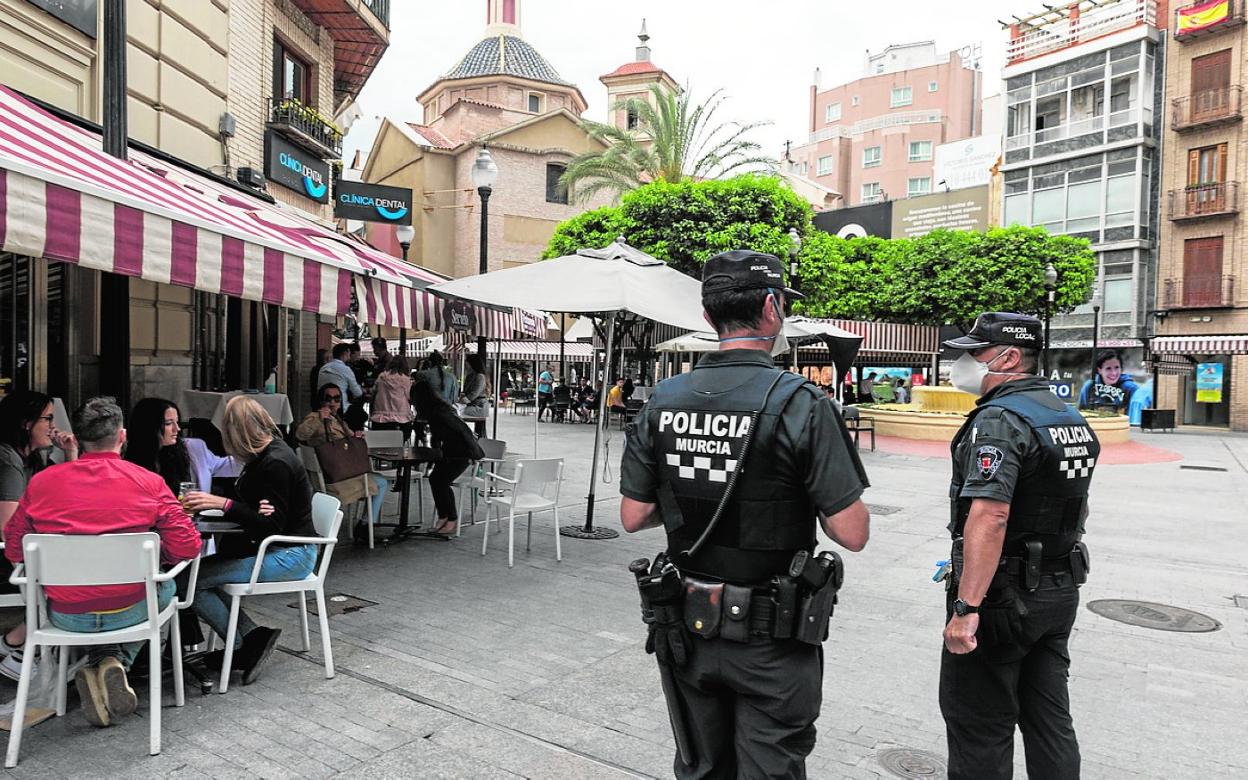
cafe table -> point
(210, 405)
(404, 459)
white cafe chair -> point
(108, 559)
(535, 489)
(473, 481)
(326, 517)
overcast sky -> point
(762, 53)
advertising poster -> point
(1121, 382)
(1208, 383)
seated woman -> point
(458, 444)
(326, 424)
(27, 433)
(153, 441)
(274, 497)
(476, 394)
(391, 409)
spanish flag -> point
(1202, 16)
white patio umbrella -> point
(599, 282)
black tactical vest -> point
(697, 439)
(1049, 502)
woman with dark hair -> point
(440, 378)
(1110, 387)
(475, 393)
(325, 424)
(458, 445)
(27, 432)
(154, 441)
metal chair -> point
(326, 517)
(535, 489)
(107, 559)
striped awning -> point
(64, 199)
(1201, 345)
(886, 342)
(526, 351)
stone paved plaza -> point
(465, 668)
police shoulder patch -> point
(988, 459)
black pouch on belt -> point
(1080, 563)
(736, 622)
(1031, 565)
(703, 606)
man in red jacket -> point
(102, 494)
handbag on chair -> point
(343, 459)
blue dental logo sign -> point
(296, 169)
(373, 203)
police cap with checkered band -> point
(1000, 328)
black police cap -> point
(1000, 327)
(745, 269)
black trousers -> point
(750, 707)
(444, 473)
(985, 693)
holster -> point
(704, 606)
(1031, 564)
(735, 625)
(1080, 563)
(826, 573)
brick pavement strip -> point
(466, 668)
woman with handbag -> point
(325, 425)
(458, 445)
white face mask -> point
(968, 374)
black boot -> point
(257, 647)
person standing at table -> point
(274, 498)
(338, 373)
(27, 433)
(440, 378)
(458, 446)
(391, 409)
(476, 394)
(99, 493)
(546, 391)
(326, 424)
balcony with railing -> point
(306, 127)
(1061, 27)
(361, 33)
(1204, 201)
(1196, 20)
(1199, 291)
(1207, 109)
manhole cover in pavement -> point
(881, 509)
(337, 603)
(907, 762)
(1146, 614)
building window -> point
(555, 192)
(1118, 295)
(832, 113)
(901, 96)
(805, 168)
(80, 14)
(872, 192)
(292, 76)
(535, 103)
(931, 86)
(871, 156)
(825, 165)
(1211, 81)
(921, 185)
(920, 151)
(1202, 271)
(630, 118)
(854, 100)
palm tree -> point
(674, 140)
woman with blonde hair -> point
(274, 497)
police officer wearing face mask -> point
(740, 462)
(1022, 466)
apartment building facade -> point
(1201, 349)
(874, 139)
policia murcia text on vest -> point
(1022, 468)
(741, 463)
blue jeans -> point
(281, 564)
(376, 501)
(95, 622)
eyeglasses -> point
(333, 399)
(46, 418)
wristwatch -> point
(962, 609)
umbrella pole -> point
(588, 531)
(498, 378)
(537, 400)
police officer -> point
(740, 462)
(1022, 466)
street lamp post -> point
(1050, 288)
(405, 234)
(795, 248)
(484, 174)
(1096, 334)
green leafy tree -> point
(674, 140)
(684, 223)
